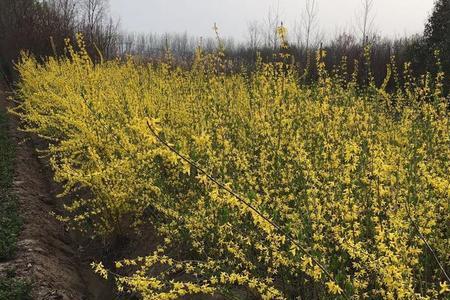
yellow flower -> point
(444, 288)
(334, 288)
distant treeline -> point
(41, 27)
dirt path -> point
(45, 254)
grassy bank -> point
(9, 218)
(10, 222)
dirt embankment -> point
(46, 255)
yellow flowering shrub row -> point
(354, 175)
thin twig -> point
(6, 80)
(424, 239)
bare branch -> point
(365, 20)
(310, 18)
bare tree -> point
(107, 36)
(272, 23)
(100, 30)
(298, 34)
(310, 18)
(365, 20)
(93, 15)
(38, 26)
(254, 35)
(66, 12)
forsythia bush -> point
(356, 175)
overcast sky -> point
(391, 17)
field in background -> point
(355, 177)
